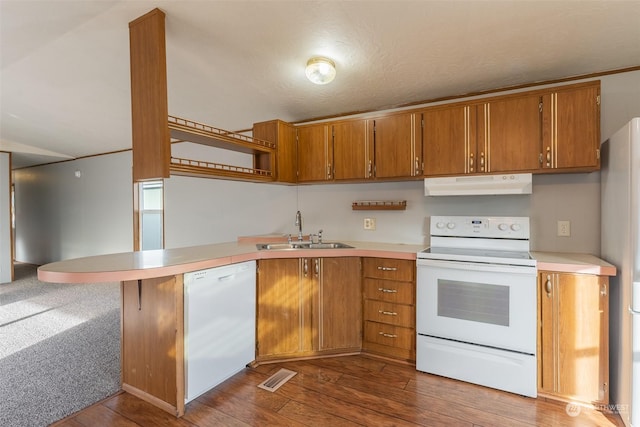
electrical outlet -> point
(369, 223)
(564, 228)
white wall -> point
(555, 197)
(61, 216)
(6, 260)
(202, 211)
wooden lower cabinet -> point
(573, 339)
(389, 307)
(308, 307)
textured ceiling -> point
(65, 64)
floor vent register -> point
(276, 380)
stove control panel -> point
(506, 227)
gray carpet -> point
(59, 348)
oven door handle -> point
(477, 266)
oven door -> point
(478, 303)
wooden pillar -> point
(151, 142)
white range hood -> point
(519, 183)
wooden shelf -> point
(183, 130)
(196, 168)
(379, 205)
(199, 133)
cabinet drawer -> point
(388, 268)
(389, 335)
(385, 312)
(390, 291)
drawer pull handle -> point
(388, 313)
(388, 268)
(388, 335)
(389, 291)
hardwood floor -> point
(344, 391)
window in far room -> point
(151, 215)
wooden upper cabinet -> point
(397, 151)
(533, 131)
(446, 135)
(495, 136)
(283, 134)
(352, 150)
(513, 133)
(571, 127)
(315, 153)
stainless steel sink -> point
(329, 245)
(302, 245)
(281, 246)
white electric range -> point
(476, 303)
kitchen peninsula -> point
(152, 303)
(153, 339)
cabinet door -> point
(546, 332)
(446, 140)
(395, 146)
(340, 304)
(582, 326)
(352, 155)
(574, 336)
(571, 128)
(280, 318)
(314, 153)
(513, 134)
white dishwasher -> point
(219, 324)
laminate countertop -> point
(168, 262)
(573, 263)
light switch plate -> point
(369, 223)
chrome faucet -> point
(299, 225)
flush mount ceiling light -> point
(320, 70)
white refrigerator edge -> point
(620, 245)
